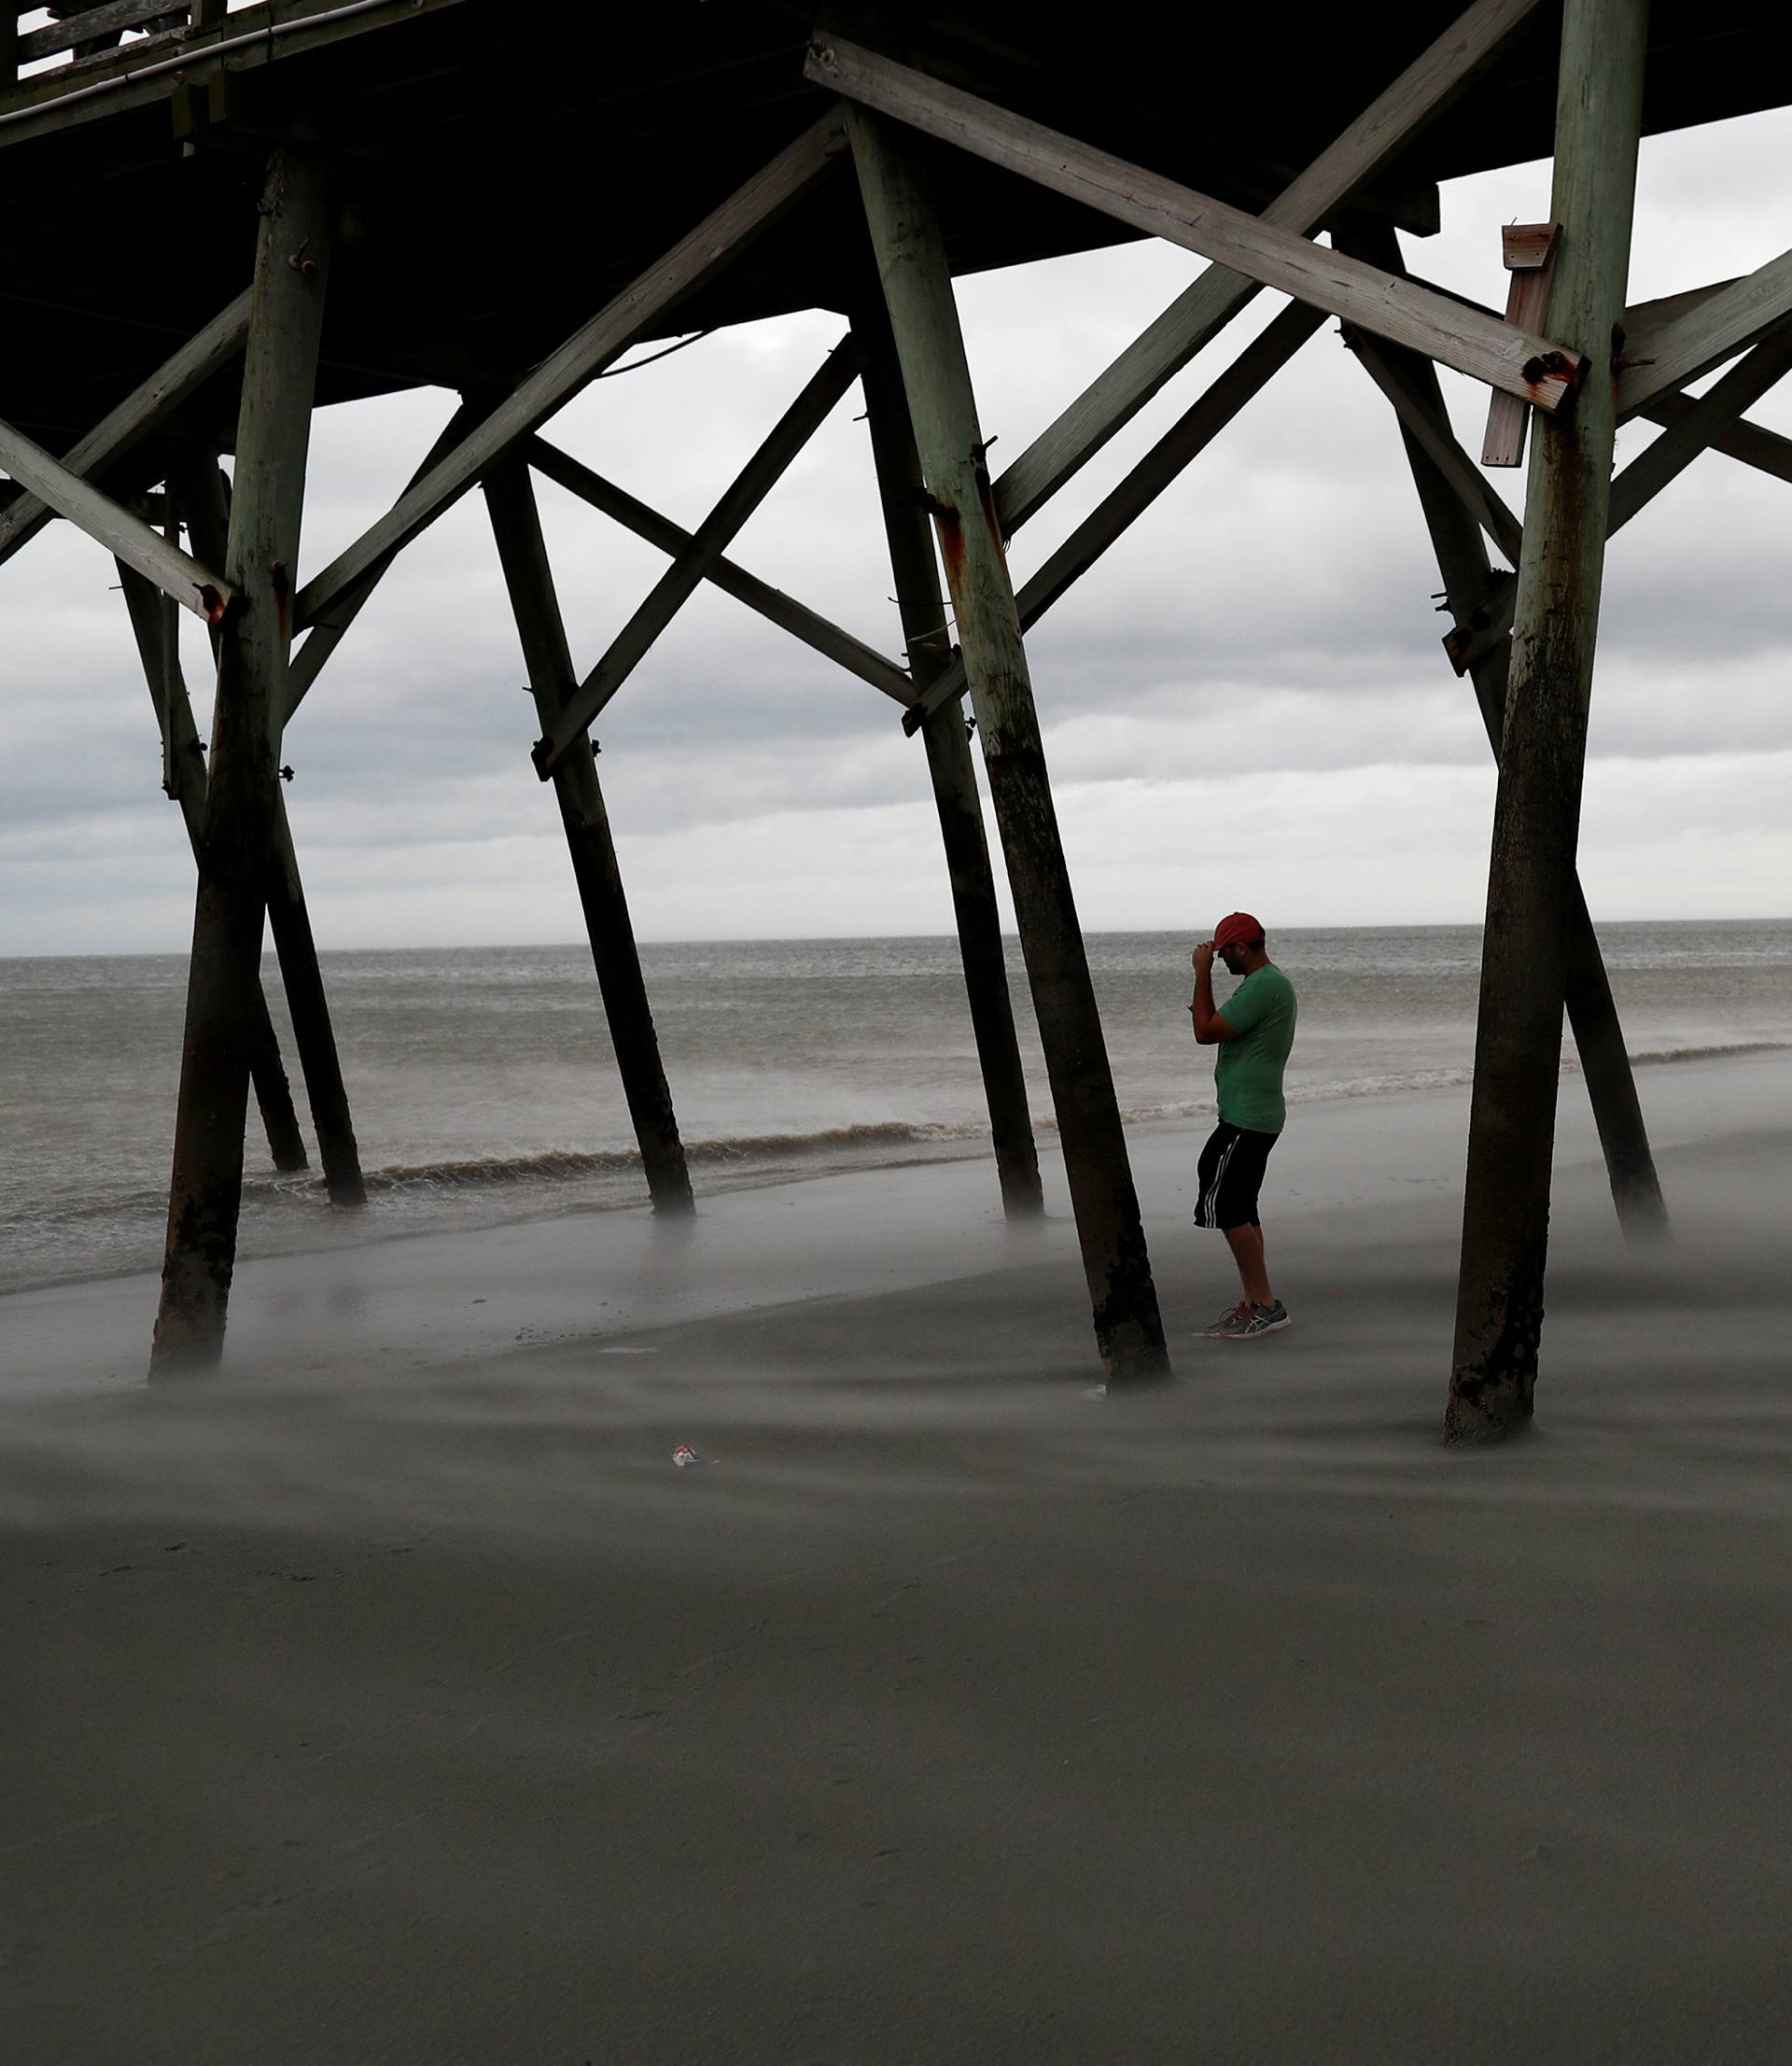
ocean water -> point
(484, 1090)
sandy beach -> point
(393, 1697)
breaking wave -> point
(561, 1164)
(1707, 1054)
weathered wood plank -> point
(1123, 506)
(1485, 348)
(1693, 431)
(813, 630)
(1530, 873)
(125, 536)
(1414, 100)
(115, 81)
(694, 258)
(109, 20)
(1526, 249)
(669, 594)
(516, 525)
(120, 429)
(1716, 328)
(918, 290)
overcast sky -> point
(1244, 705)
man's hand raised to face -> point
(1203, 958)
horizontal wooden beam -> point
(126, 536)
(116, 432)
(73, 29)
(597, 344)
(1386, 305)
(130, 75)
(1720, 325)
(1428, 85)
(749, 489)
(1118, 510)
(1695, 427)
(772, 604)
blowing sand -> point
(396, 1698)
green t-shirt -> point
(1247, 1072)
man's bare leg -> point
(1246, 1243)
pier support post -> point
(273, 440)
(288, 918)
(516, 523)
(916, 574)
(183, 778)
(937, 379)
(1468, 576)
(1530, 877)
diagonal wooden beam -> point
(207, 496)
(1709, 417)
(1718, 327)
(772, 604)
(127, 537)
(1747, 443)
(1422, 92)
(323, 639)
(696, 258)
(183, 779)
(1482, 346)
(750, 489)
(1765, 450)
(1708, 422)
(116, 432)
(1115, 514)
(1431, 428)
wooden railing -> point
(78, 33)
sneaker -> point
(1232, 1317)
(1249, 1322)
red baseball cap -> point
(1240, 930)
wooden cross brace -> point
(750, 489)
(1386, 304)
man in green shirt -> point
(1254, 1035)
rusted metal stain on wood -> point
(1552, 378)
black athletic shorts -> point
(1231, 1173)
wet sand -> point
(394, 1697)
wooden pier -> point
(217, 218)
